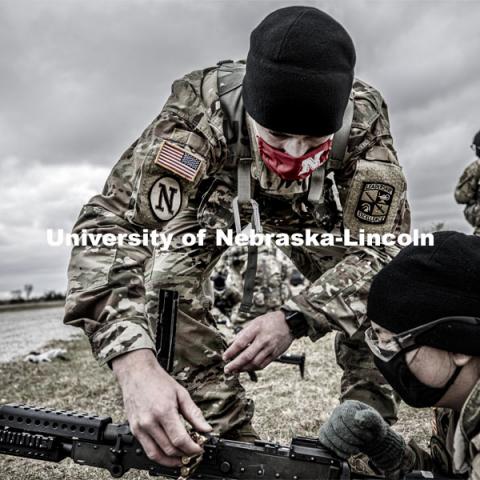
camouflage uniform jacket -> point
(454, 445)
(466, 439)
(467, 192)
(107, 286)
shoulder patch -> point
(374, 197)
(166, 198)
(178, 160)
(374, 202)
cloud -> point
(38, 198)
(81, 80)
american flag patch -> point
(178, 160)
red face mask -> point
(293, 168)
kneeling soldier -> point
(426, 340)
(291, 139)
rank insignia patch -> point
(178, 160)
(374, 203)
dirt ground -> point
(285, 404)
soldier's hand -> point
(263, 340)
(355, 427)
(154, 403)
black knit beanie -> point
(299, 72)
(423, 284)
(476, 142)
(476, 139)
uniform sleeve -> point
(372, 190)
(475, 471)
(106, 284)
(466, 190)
(474, 448)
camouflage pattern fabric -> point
(232, 265)
(467, 192)
(472, 215)
(112, 292)
(455, 442)
(444, 423)
(466, 440)
(271, 282)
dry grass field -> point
(285, 404)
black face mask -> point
(406, 384)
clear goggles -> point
(386, 349)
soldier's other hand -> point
(355, 427)
(154, 404)
(263, 340)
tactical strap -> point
(315, 190)
(249, 279)
(230, 76)
(340, 139)
(244, 184)
(244, 197)
(339, 147)
(229, 81)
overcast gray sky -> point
(80, 80)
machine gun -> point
(49, 435)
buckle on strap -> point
(244, 196)
(255, 215)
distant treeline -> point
(49, 296)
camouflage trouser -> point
(472, 215)
(198, 364)
(199, 344)
(361, 380)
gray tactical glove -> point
(354, 428)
